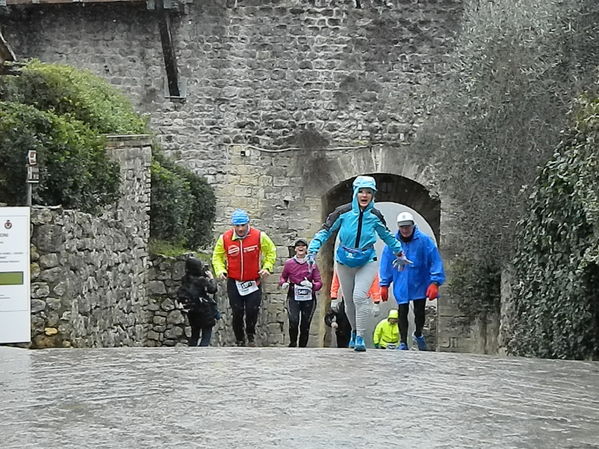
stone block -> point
(51, 275)
(152, 307)
(48, 238)
(160, 320)
(175, 317)
(52, 319)
(40, 290)
(156, 288)
(167, 305)
(34, 270)
(37, 305)
(48, 260)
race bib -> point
(302, 293)
(246, 287)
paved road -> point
(292, 398)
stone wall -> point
(285, 101)
(89, 274)
(170, 327)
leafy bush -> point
(170, 209)
(557, 260)
(65, 90)
(74, 169)
(183, 205)
(61, 112)
(203, 208)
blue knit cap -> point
(239, 217)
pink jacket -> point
(295, 272)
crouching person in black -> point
(193, 297)
(337, 320)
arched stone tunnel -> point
(391, 188)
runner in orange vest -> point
(237, 256)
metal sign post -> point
(33, 173)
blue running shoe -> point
(403, 347)
(352, 340)
(360, 346)
(420, 342)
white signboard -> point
(15, 289)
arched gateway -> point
(391, 189)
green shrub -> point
(62, 113)
(74, 169)
(66, 90)
(557, 259)
(170, 207)
(203, 206)
(183, 205)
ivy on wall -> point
(556, 288)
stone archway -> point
(391, 188)
(394, 189)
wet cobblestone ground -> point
(293, 398)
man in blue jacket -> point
(416, 282)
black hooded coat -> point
(196, 294)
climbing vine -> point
(556, 288)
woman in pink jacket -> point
(302, 281)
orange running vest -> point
(243, 255)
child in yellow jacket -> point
(386, 332)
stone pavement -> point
(292, 398)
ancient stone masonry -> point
(89, 273)
(284, 101)
(169, 326)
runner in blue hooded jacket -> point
(416, 283)
(358, 223)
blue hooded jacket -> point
(412, 282)
(357, 229)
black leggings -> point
(300, 315)
(249, 306)
(419, 307)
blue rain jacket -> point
(357, 229)
(412, 282)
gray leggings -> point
(355, 283)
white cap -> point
(405, 219)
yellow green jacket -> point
(268, 253)
(386, 333)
